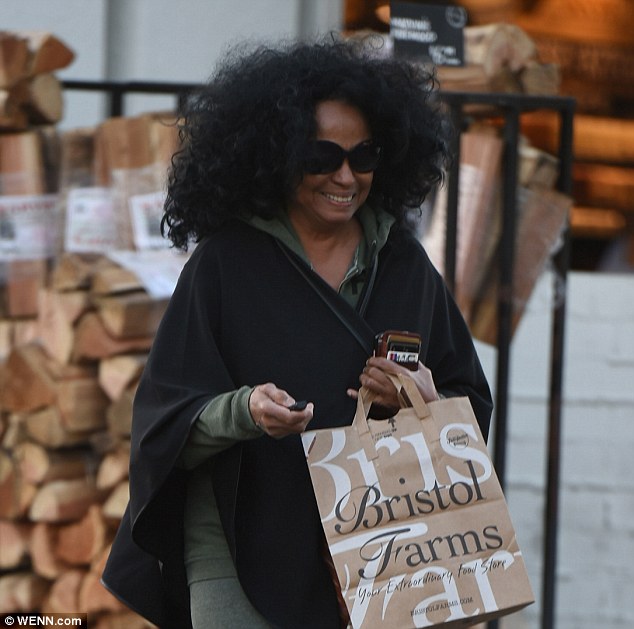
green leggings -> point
(222, 604)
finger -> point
(377, 381)
(281, 421)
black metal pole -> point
(505, 296)
(453, 193)
(561, 264)
(505, 290)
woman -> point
(298, 169)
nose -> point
(344, 174)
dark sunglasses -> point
(324, 157)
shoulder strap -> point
(362, 333)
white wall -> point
(595, 574)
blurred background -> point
(585, 49)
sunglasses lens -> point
(364, 158)
(325, 157)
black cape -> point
(242, 314)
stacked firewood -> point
(75, 329)
(30, 93)
(66, 413)
(498, 57)
(109, 166)
(501, 57)
(31, 104)
(542, 214)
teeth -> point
(338, 199)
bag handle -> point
(404, 382)
(364, 402)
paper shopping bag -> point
(415, 518)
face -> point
(326, 201)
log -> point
(540, 78)
(596, 138)
(64, 500)
(115, 505)
(44, 103)
(122, 149)
(500, 57)
(50, 147)
(39, 465)
(14, 431)
(47, 428)
(93, 342)
(34, 380)
(82, 404)
(498, 46)
(46, 52)
(25, 279)
(22, 173)
(25, 331)
(537, 167)
(29, 385)
(603, 185)
(478, 214)
(58, 311)
(114, 468)
(60, 371)
(63, 596)
(115, 279)
(119, 413)
(6, 343)
(93, 596)
(118, 373)
(132, 315)
(543, 214)
(22, 592)
(125, 142)
(586, 21)
(81, 542)
(14, 56)
(21, 164)
(98, 564)
(16, 495)
(77, 156)
(43, 543)
(12, 115)
(14, 549)
(164, 138)
(75, 271)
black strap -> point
(366, 342)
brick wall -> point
(595, 568)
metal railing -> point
(510, 107)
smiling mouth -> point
(339, 199)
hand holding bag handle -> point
(365, 399)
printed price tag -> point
(90, 221)
(28, 227)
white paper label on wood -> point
(28, 227)
(157, 270)
(146, 211)
(90, 221)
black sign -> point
(428, 32)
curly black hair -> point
(244, 133)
